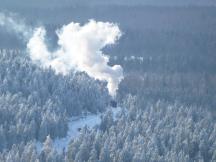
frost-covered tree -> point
(35, 102)
(146, 131)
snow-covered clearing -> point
(76, 123)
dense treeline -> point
(35, 103)
(148, 131)
(143, 131)
(28, 153)
(188, 88)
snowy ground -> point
(74, 124)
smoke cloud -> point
(13, 23)
(79, 49)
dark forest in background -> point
(177, 46)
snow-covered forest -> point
(137, 83)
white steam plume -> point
(80, 49)
(12, 22)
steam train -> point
(113, 103)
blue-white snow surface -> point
(74, 124)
